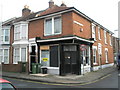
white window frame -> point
(21, 54)
(2, 34)
(99, 33)
(3, 56)
(106, 55)
(105, 36)
(94, 31)
(20, 25)
(99, 48)
(53, 32)
(7, 56)
(14, 57)
(94, 53)
(110, 38)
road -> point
(109, 81)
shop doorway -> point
(70, 62)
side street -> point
(70, 79)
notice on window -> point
(45, 59)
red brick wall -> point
(86, 33)
(11, 42)
(36, 28)
(102, 41)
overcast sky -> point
(105, 12)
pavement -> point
(68, 79)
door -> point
(70, 62)
(70, 58)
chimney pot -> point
(51, 3)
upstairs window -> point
(20, 31)
(99, 34)
(105, 37)
(5, 35)
(17, 33)
(52, 26)
(110, 39)
(94, 31)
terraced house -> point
(60, 38)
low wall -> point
(14, 67)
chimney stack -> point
(63, 4)
(26, 11)
(51, 3)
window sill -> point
(99, 39)
(95, 63)
(52, 34)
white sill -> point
(106, 62)
(6, 63)
(15, 63)
(95, 63)
(52, 34)
(99, 39)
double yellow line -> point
(81, 84)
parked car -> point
(6, 85)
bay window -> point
(20, 55)
(23, 54)
(1, 55)
(16, 55)
(4, 56)
(20, 31)
(5, 35)
(52, 26)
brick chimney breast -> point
(51, 3)
(26, 11)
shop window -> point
(85, 56)
(45, 58)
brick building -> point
(60, 38)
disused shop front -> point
(63, 55)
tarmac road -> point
(109, 81)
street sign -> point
(83, 47)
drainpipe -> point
(38, 51)
(91, 57)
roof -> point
(4, 81)
(55, 10)
(9, 21)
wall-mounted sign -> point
(45, 59)
(83, 47)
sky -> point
(105, 12)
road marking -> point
(64, 84)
